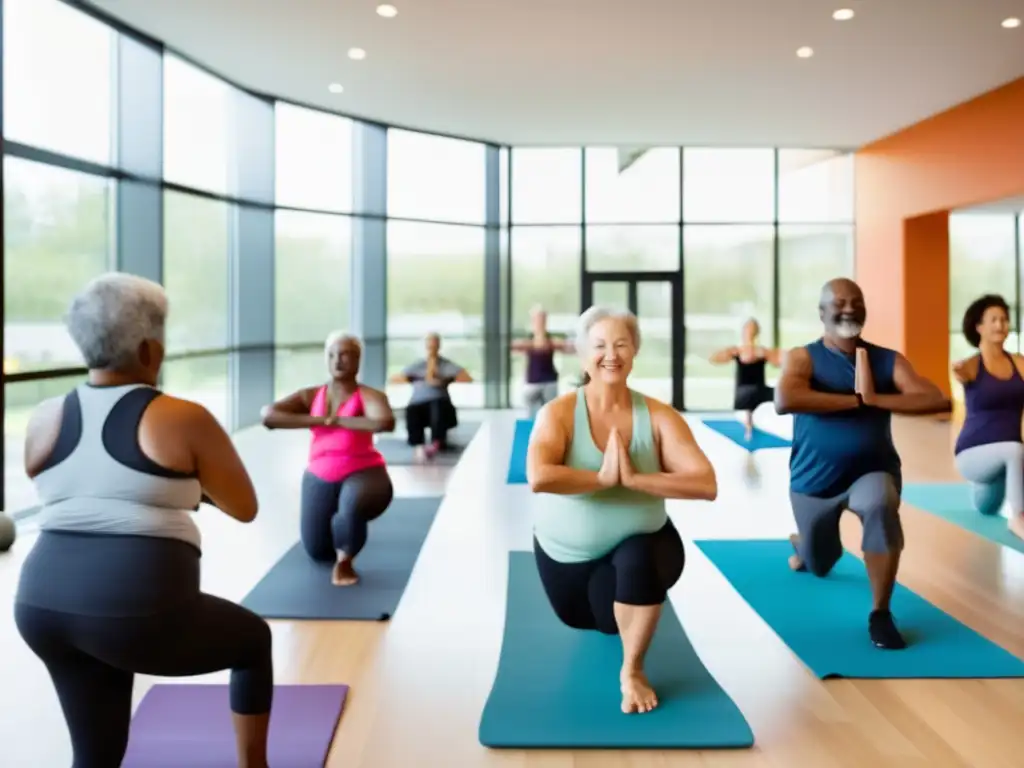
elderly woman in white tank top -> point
(111, 587)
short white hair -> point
(595, 315)
(113, 315)
(335, 337)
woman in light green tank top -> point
(603, 460)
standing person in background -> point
(541, 374)
(750, 357)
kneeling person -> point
(606, 459)
(843, 392)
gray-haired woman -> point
(346, 483)
(111, 587)
(606, 550)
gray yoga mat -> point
(300, 588)
(397, 452)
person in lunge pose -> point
(346, 484)
(842, 392)
(605, 459)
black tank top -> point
(750, 374)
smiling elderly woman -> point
(111, 587)
(606, 459)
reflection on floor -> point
(419, 682)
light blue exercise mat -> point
(558, 688)
(952, 502)
(737, 432)
(517, 461)
(824, 621)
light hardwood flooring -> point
(420, 681)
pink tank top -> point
(336, 453)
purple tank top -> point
(540, 366)
(994, 409)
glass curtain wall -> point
(753, 232)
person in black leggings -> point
(751, 357)
(346, 484)
(111, 587)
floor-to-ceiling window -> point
(985, 249)
(751, 232)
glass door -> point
(656, 298)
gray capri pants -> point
(996, 473)
(874, 498)
(537, 395)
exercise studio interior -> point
(512, 385)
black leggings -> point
(639, 571)
(92, 659)
(336, 516)
(436, 415)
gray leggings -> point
(996, 473)
(874, 498)
(537, 395)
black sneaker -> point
(884, 633)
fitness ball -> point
(6, 532)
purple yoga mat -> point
(189, 726)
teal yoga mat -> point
(517, 461)
(825, 621)
(558, 687)
(736, 432)
(952, 502)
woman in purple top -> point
(541, 374)
(989, 452)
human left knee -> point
(646, 567)
(878, 506)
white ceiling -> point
(612, 72)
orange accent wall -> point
(906, 185)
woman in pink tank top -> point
(346, 483)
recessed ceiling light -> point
(843, 14)
(335, 88)
(1011, 23)
(805, 52)
(387, 11)
(356, 54)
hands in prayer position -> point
(616, 469)
(864, 382)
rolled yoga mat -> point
(397, 452)
(190, 725)
(300, 588)
(558, 687)
(824, 621)
(954, 502)
(517, 459)
(737, 432)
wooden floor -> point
(419, 682)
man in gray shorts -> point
(842, 392)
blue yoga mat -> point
(952, 502)
(824, 621)
(558, 687)
(736, 432)
(517, 461)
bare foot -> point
(795, 561)
(1016, 525)
(749, 434)
(344, 575)
(637, 694)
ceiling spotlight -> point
(356, 54)
(335, 88)
(805, 52)
(843, 14)
(1011, 23)
(387, 11)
